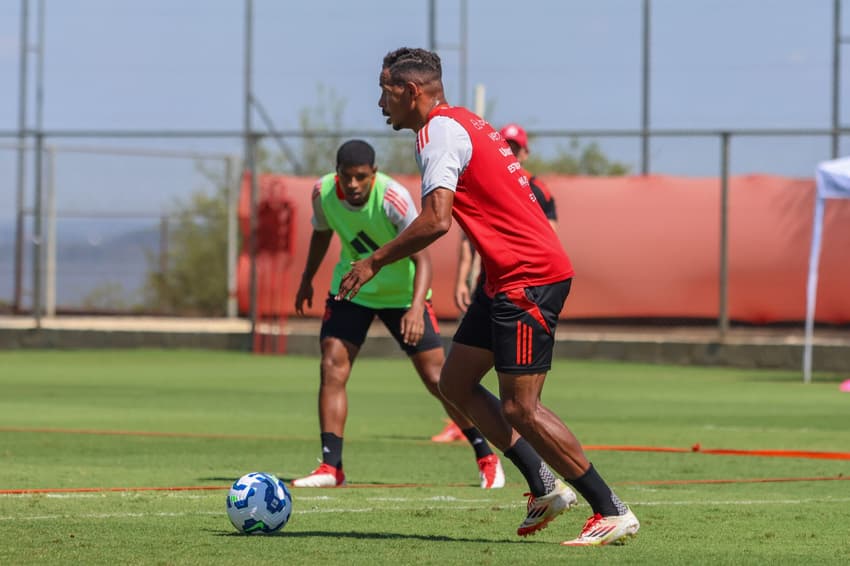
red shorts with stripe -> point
(518, 326)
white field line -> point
(636, 504)
(135, 494)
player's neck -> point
(428, 111)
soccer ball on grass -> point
(259, 503)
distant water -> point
(106, 258)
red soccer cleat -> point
(451, 433)
(323, 476)
(491, 472)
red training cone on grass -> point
(845, 386)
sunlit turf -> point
(206, 418)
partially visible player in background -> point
(367, 209)
(517, 139)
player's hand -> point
(413, 325)
(305, 293)
(361, 272)
(462, 297)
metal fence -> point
(95, 254)
(64, 249)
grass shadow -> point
(377, 536)
(785, 377)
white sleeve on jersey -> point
(319, 221)
(445, 155)
(398, 205)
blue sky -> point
(547, 64)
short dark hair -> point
(355, 152)
(413, 64)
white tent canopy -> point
(832, 180)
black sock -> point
(537, 474)
(478, 442)
(597, 493)
(332, 450)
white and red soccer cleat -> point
(542, 510)
(599, 530)
(491, 472)
(323, 476)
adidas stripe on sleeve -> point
(319, 221)
(443, 150)
(398, 206)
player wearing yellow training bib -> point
(388, 210)
(367, 209)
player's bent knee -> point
(427, 370)
(518, 415)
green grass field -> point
(202, 419)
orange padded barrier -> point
(648, 247)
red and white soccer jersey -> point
(493, 201)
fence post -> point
(723, 307)
(645, 54)
(232, 196)
(50, 238)
(38, 235)
(163, 246)
(251, 167)
(837, 40)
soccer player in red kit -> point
(470, 173)
(517, 139)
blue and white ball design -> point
(259, 503)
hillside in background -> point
(101, 258)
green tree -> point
(397, 156)
(319, 125)
(577, 159)
(194, 281)
(109, 296)
(194, 278)
(317, 147)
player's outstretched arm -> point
(319, 243)
(433, 222)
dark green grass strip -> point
(820, 455)
(410, 485)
